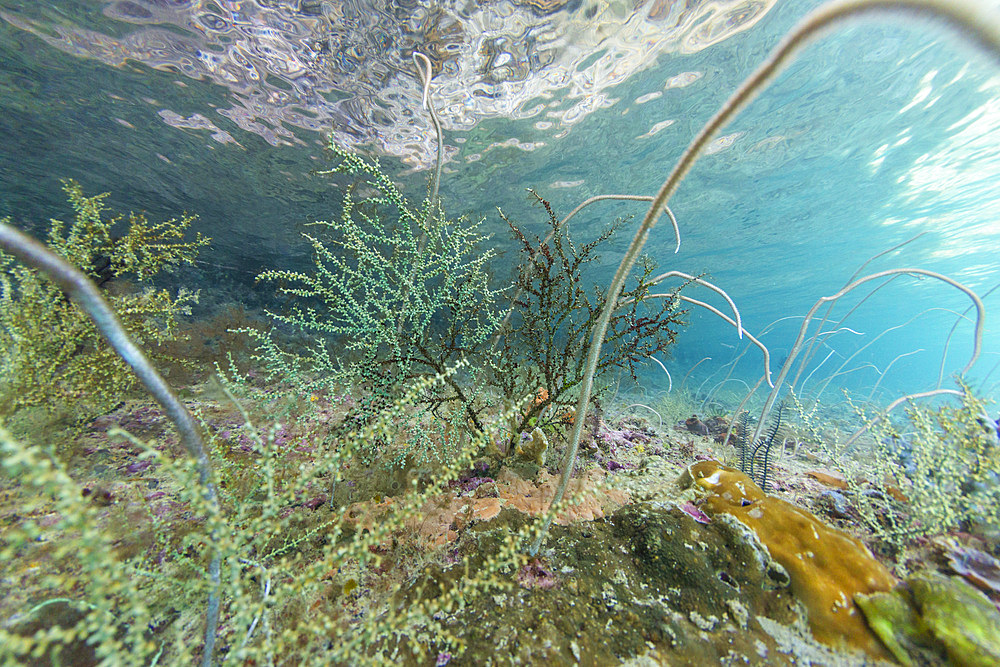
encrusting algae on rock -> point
(827, 567)
(932, 616)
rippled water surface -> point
(347, 66)
(878, 133)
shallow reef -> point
(375, 479)
(664, 556)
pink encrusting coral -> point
(442, 518)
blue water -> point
(880, 132)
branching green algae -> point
(50, 352)
(288, 570)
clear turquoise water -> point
(878, 133)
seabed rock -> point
(932, 617)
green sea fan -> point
(403, 292)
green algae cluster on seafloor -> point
(935, 615)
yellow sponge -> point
(827, 567)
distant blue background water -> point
(879, 132)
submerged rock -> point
(534, 449)
(933, 616)
(696, 426)
(704, 578)
(827, 567)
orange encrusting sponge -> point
(827, 567)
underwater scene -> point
(500, 332)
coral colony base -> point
(375, 506)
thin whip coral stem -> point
(882, 375)
(691, 370)
(86, 295)
(588, 202)
(820, 365)
(643, 405)
(965, 17)
(763, 348)
(670, 380)
(715, 288)
(807, 357)
(861, 349)
(895, 404)
(947, 341)
(739, 409)
(421, 61)
(797, 346)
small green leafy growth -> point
(405, 293)
(49, 350)
(542, 347)
(403, 290)
(302, 582)
(942, 473)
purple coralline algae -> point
(535, 574)
(315, 502)
(695, 513)
(137, 467)
(470, 484)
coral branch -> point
(966, 17)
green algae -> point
(932, 617)
(647, 581)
